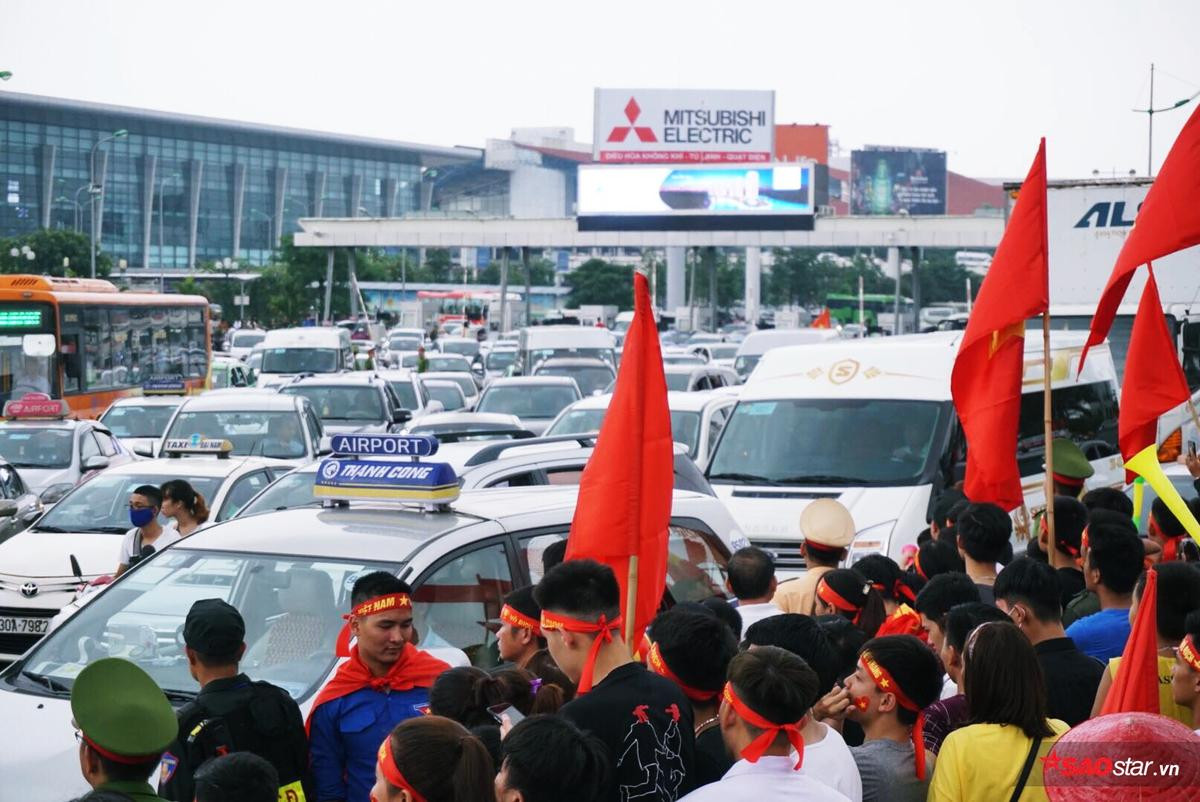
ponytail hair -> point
(465, 693)
(181, 491)
(868, 612)
(442, 760)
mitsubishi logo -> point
(29, 590)
(620, 132)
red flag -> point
(1168, 221)
(986, 380)
(822, 320)
(1154, 381)
(625, 492)
(1135, 689)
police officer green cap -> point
(214, 627)
(1069, 462)
(121, 712)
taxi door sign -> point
(389, 445)
(408, 481)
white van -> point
(758, 343)
(539, 343)
(289, 352)
(872, 424)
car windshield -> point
(137, 420)
(448, 393)
(292, 609)
(34, 447)
(723, 351)
(404, 343)
(101, 504)
(678, 381)
(300, 360)
(452, 364)
(685, 426)
(253, 433)
(539, 355)
(590, 378)
(501, 360)
(682, 359)
(342, 403)
(744, 364)
(528, 401)
(828, 442)
(466, 348)
(407, 393)
(464, 382)
(247, 339)
(409, 360)
(288, 492)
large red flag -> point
(822, 321)
(1154, 382)
(1135, 688)
(1168, 221)
(986, 380)
(625, 493)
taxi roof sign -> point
(178, 446)
(171, 384)
(36, 406)
(385, 445)
(399, 481)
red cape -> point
(414, 669)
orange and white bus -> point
(85, 342)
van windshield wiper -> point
(748, 478)
(46, 682)
(821, 479)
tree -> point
(942, 279)
(599, 282)
(50, 246)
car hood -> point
(773, 513)
(42, 765)
(353, 427)
(47, 555)
(38, 479)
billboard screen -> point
(720, 197)
(683, 125)
(896, 180)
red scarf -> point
(770, 729)
(414, 669)
(904, 621)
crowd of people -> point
(876, 681)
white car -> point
(240, 342)
(499, 360)
(141, 420)
(448, 393)
(460, 560)
(722, 354)
(226, 371)
(461, 426)
(351, 402)
(690, 378)
(463, 346)
(407, 386)
(84, 530)
(465, 381)
(535, 400)
(54, 453)
(259, 423)
(696, 419)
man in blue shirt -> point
(385, 681)
(1112, 562)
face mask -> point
(141, 517)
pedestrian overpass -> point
(428, 231)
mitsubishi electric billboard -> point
(683, 125)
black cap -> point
(214, 627)
(522, 601)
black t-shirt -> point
(646, 723)
(1071, 679)
(1070, 581)
(712, 758)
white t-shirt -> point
(830, 761)
(771, 779)
(949, 687)
(752, 613)
(129, 543)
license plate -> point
(24, 626)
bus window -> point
(97, 348)
(141, 348)
(197, 353)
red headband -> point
(655, 662)
(379, 604)
(124, 760)
(513, 616)
(602, 628)
(884, 682)
(391, 772)
(770, 730)
(898, 587)
(832, 597)
(917, 565)
(1069, 481)
(1188, 652)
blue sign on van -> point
(381, 445)
(405, 481)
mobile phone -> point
(1192, 449)
(505, 709)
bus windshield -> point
(25, 368)
(300, 360)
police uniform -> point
(1070, 467)
(122, 715)
(233, 714)
(827, 524)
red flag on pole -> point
(1168, 221)
(822, 321)
(1135, 688)
(986, 380)
(625, 492)
(1154, 382)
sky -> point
(981, 80)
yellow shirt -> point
(1166, 703)
(960, 774)
(799, 595)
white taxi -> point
(141, 420)
(78, 540)
(290, 574)
(259, 423)
(52, 452)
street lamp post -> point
(79, 207)
(75, 203)
(1150, 111)
(98, 191)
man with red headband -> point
(644, 720)
(385, 681)
(763, 706)
(1185, 674)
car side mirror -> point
(8, 508)
(143, 450)
(325, 446)
(401, 416)
(95, 463)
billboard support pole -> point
(711, 255)
(893, 257)
(504, 290)
(528, 286)
(916, 288)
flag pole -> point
(631, 596)
(1046, 414)
(1195, 419)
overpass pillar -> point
(676, 265)
(753, 283)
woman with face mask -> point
(185, 505)
(147, 535)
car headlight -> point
(54, 493)
(872, 540)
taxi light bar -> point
(391, 445)
(341, 478)
(36, 406)
(172, 384)
(177, 447)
